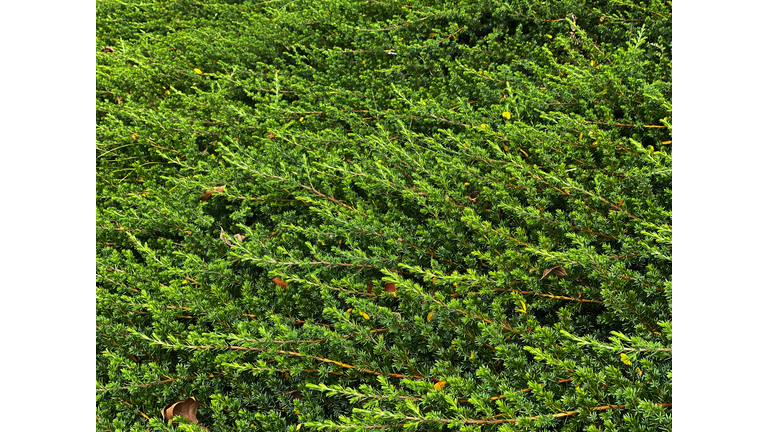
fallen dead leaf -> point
(279, 282)
(209, 193)
(224, 239)
(186, 408)
(239, 237)
(390, 287)
(135, 136)
(557, 271)
(206, 196)
(108, 50)
(296, 394)
(370, 287)
(439, 385)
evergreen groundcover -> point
(364, 215)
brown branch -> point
(627, 124)
(298, 354)
(474, 316)
(158, 382)
(558, 415)
(546, 295)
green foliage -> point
(456, 150)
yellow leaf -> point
(604, 91)
(135, 136)
(506, 147)
(639, 372)
(466, 184)
(625, 359)
(365, 315)
(506, 115)
(580, 136)
(298, 426)
(483, 126)
(523, 307)
(198, 71)
(349, 310)
(549, 36)
(471, 356)
(439, 385)
(301, 119)
(591, 62)
(429, 317)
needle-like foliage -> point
(361, 215)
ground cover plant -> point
(364, 215)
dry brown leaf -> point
(209, 193)
(224, 239)
(108, 50)
(390, 287)
(370, 287)
(135, 136)
(296, 394)
(206, 196)
(186, 408)
(439, 385)
(279, 282)
(119, 100)
(239, 237)
(270, 136)
(473, 196)
(557, 271)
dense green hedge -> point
(417, 215)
